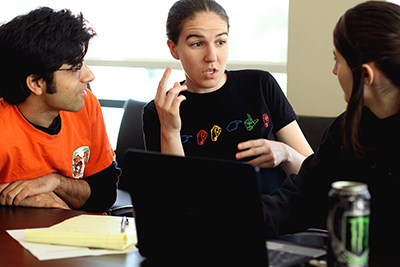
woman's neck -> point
(193, 88)
(384, 104)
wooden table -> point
(13, 254)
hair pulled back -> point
(184, 10)
(368, 32)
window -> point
(130, 52)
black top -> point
(302, 202)
(250, 105)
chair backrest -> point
(130, 134)
(314, 128)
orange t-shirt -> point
(80, 149)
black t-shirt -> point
(250, 105)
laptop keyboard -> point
(283, 259)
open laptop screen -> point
(196, 209)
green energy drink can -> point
(348, 224)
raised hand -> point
(168, 105)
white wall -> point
(312, 88)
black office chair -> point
(313, 128)
(130, 136)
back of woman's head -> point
(367, 33)
(39, 43)
(184, 10)
(370, 32)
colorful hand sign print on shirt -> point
(216, 130)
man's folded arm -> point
(95, 193)
(103, 189)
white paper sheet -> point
(50, 252)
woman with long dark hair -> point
(362, 144)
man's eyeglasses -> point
(77, 68)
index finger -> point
(162, 86)
(248, 144)
(3, 194)
(3, 186)
(13, 191)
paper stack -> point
(93, 231)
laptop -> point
(198, 211)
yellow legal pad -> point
(93, 231)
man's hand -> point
(14, 193)
(71, 191)
(46, 200)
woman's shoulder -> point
(251, 78)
